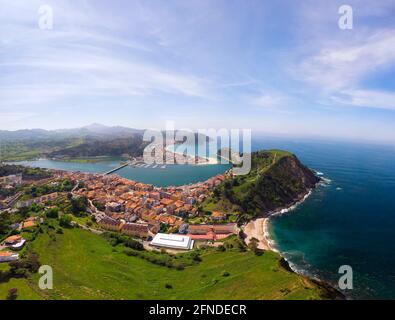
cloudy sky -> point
(281, 67)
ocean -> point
(348, 220)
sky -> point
(278, 67)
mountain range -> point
(89, 141)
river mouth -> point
(160, 176)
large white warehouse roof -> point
(172, 241)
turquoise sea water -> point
(172, 175)
(348, 221)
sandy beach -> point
(206, 160)
(258, 229)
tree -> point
(65, 220)
(4, 222)
(20, 268)
(79, 205)
(52, 213)
(216, 193)
(134, 244)
(253, 245)
(163, 228)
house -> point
(166, 202)
(218, 215)
(155, 195)
(135, 229)
(154, 227)
(211, 232)
(42, 199)
(164, 195)
(172, 241)
(227, 228)
(29, 222)
(209, 236)
(6, 256)
(12, 240)
(15, 242)
(113, 207)
(110, 224)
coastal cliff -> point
(277, 180)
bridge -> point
(134, 163)
(118, 168)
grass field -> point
(85, 266)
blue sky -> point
(281, 67)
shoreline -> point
(259, 227)
(208, 160)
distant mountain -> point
(92, 140)
(92, 131)
(33, 143)
(133, 146)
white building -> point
(172, 241)
(6, 256)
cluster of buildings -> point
(201, 232)
(138, 209)
(39, 200)
(11, 180)
(16, 242)
(128, 200)
(9, 183)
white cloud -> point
(87, 54)
(343, 65)
(270, 100)
(366, 98)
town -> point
(162, 218)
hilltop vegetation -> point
(86, 266)
(27, 173)
(133, 146)
(277, 179)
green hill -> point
(277, 180)
(86, 266)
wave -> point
(270, 241)
(306, 269)
(292, 207)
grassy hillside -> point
(133, 145)
(277, 179)
(89, 141)
(86, 267)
